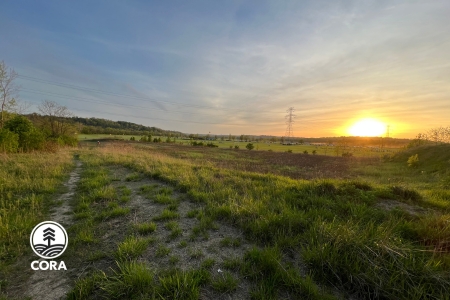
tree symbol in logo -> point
(48, 239)
(49, 235)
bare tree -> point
(8, 89)
(55, 117)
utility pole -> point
(289, 121)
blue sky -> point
(236, 66)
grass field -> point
(263, 146)
(170, 221)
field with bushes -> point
(181, 222)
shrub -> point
(249, 146)
(305, 152)
(236, 147)
(290, 151)
(314, 152)
(32, 140)
(9, 141)
(347, 154)
(143, 139)
(413, 161)
(212, 145)
(29, 137)
(65, 140)
(132, 138)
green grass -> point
(166, 215)
(162, 251)
(230, 242)
(131, 248)
(345, 239)
(27, 184)
(145, 228)
(225, 283)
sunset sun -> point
(367, 127)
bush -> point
(65, 140)
(20, 126)
(305, 152)
(143, 139)
(289, 151)
(9, 141)
(314, 152)
(210, 144)
(132, 138)
(347, 154)
(236, 147)
(413, 161)
(32, 140)
(249, 146)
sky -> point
(235, 67)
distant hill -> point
(103, 126)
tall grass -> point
(27, 182)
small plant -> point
(195, 253)
(305, 152)
(132, 138)
(208, 263)
(131, 248)
(314, 152)
(347, 154)
(167, 215)
(173, 259)
(133, 177)
(144, 228)
(230, 242)
(236, 147)
(250, 146)
(192, 213)
(289, 151)
(162, 251)
(413, 161)
(225, 283)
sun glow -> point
(367, 127)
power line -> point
(80, 88)
(76, 98)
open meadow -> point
(170, 221)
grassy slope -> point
(344, 239)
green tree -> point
(9, 141)
(250, 146)
(29, 137)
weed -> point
(225, 283)
(167, 215)
(145, 228)
(131, 248)
(134, 177)
(230, 242)
(162, 251)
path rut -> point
(55, 284)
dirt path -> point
(55, 284)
